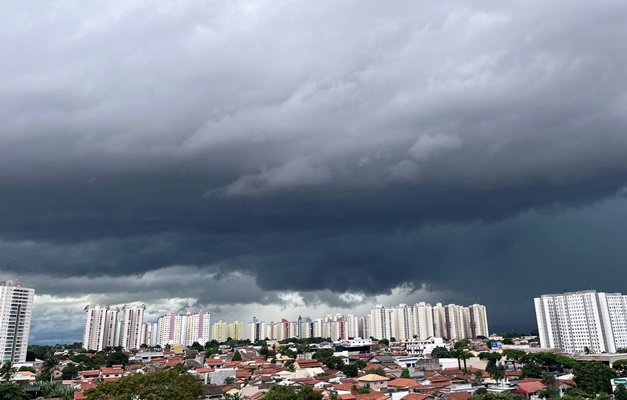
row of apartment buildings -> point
(402, 323)
(104, 328)
(421, 321)
(583, 320)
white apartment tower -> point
(16, 304)
(477, 320)
(381, 324)
(455, 326)
(132, 324)
(184, 329)
(423, 320)
(403, 321)
(575, 321)
(100, 327)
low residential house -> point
(111, 374)
(221, 375)
(89, 375)
(403, 384)
(302, 364)
(24, 376)
(530, 390)
(214, 363)
(374, 381)
(563, 385)
(417, 396)
(373, 396)
(383, 360)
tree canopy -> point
(161, 385)
(12, 391)
(593, 377)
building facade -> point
(16, 305)
(584, 320)
(100, 327)
(184, 329)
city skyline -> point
(246, 158)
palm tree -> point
(6, 371)
(465, 356)
(499, 373)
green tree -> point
(46, 371)
(323, 354)
(29, 369)
(440, 352)
(161, 385)
(12, 391)
(361, 364)
(620, 393)
(197, 346)
(237, 356)
(350, 370)
(492, 358)
(364, 389)
(384, 341)
(531, 370)
(377, 371)
(115, 358)
(405, 373)
(620, 366)
(292, 393)
(477, 376)
(229, 380)
(70, 371)
(593, 377)
(6, 371)
(498, 374)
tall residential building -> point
(477, 320)
(455, 326)
(403, 322)
(132, 324)
(184, 329)
(381, 324)
(439, 320)
(100, 327)
(16, 304)
(423, 320)
(235, 331)
(588, 319)
(256, 330)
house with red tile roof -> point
(529, 389)
(403, 383)
(111, 374)
(417, 396)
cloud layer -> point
(228, 154)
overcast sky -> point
(276, 158)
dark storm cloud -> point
(321, 148)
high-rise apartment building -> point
(576, 321)
(403, 322)
(132, 324)
(256, 330)
(477, 320)
(380, 318)
(184, 329)
(423, 318)
(423, 321)
(100, 327)
(16, 304)
(104, 329)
